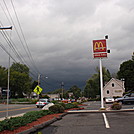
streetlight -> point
(8, 86)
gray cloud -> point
(59, 34)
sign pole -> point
(100, 51)
(101, 84)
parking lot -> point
(93, 123)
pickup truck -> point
(126, 99)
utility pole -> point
(62, 86)
(8, 85)
(39, 83)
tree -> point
(92, 87)
(76, 91)
(126, 72)
(34, 84)
(3, 77)
(20, 81)
(20, 68)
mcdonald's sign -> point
(100, 55)
(99, 46)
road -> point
(15, 109)
(93, 123)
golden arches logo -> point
(99, 46)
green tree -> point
(3, 77)
(20, 68)
(126, 72)
(76, 91)
(34, 84)
(92, 87)
(20, 81)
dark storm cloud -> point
(59, 34)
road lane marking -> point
(105, 120)
(17, 109)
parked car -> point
(126, 99)
(109, 100)
(42, 102)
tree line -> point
(21, 83)
(20, 80)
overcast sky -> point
(59, 35)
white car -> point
(42, 102)
(109, 100)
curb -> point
(99, 111)
(12, 116)
(40, 126)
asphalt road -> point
(15, 109)
(93, 123)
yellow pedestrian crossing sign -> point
(38, 89)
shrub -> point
(62, 104)
(57, 108)
(55, 101)
(15, 122)
(76, 103)
(116, 106)
(70, 105)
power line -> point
(20, 57)
(30, 56)
(16, 29)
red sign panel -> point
(99, 46)
(100, 55)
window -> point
(112, 84)
(107, 91)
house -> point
(54, 96)
(114, 88)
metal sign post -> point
(100, 51)
(101, 84)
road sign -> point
(38, 89)
(99, 46)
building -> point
(114, 88)
(54, 96)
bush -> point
(62, 104)
(55, 101)
(76, 103)
(57, 108)
(116, 106)
(15, 122)
(70, 105)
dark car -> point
(126, 99)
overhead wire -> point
(13, 46)
(10, 42)
(30, 55)
(16, 30)
(14, 49)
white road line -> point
(105, 120)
